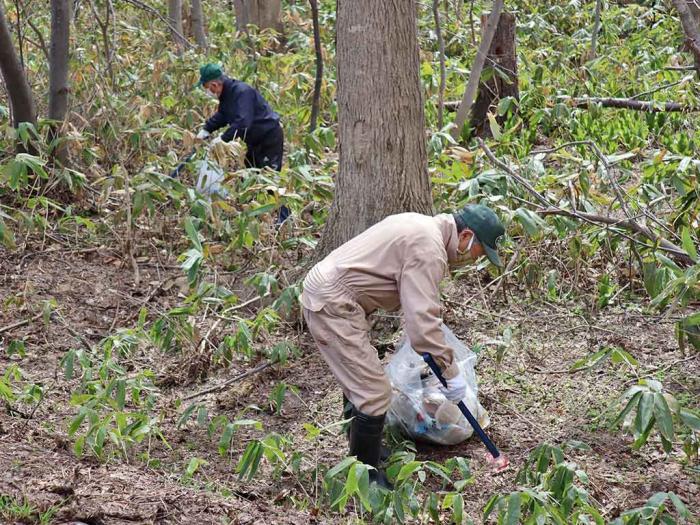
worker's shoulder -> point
(238, 87)
(414, 224)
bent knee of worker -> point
(376, 399)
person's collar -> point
(450, 238)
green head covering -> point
(209, 72)
(486, 226)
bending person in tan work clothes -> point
(398, 262)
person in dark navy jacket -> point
(248, 117)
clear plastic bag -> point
(210, 178)
(418, 407)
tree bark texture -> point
(21, 99)
(316, 101)
(383, 163)
(501, 55)
(261, 13)
(58, 71)
(198, 24)
(175, 21)
(58, 65)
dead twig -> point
(229, 382)
(18, 324)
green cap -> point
(209, 72)
(486, 226)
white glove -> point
(216, 141)
(456, 388)
(203, 134)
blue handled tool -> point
(176, 172)
(502, 460)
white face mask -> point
(211, 94)
(463, 256)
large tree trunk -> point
(198, 24)
(21, 100)
(58, 68)
(175, 21)
(383, 166)
(502, 55)
(261, 13)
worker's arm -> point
(419, 290)
(242, 115)
(216, 121)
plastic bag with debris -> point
(220, 158)
(211, 176)
(419, 409)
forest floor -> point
(530, 394)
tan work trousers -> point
(341, 333)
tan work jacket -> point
(398, 262)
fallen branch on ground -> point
(20, 323)
(229, 382)
(628, 103)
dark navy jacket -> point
(245, 111)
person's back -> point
(371, 265)
(245, 110)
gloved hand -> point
(203, 134)
(456, 388)
(216, 141)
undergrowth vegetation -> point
(128, 129)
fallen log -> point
(621, 103)
(627, 103)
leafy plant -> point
(656, 511)
(553, 493)
(648, 407)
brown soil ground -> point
(530, 396)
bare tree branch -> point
(474, 77)
(441, 48)
(153, 10)
(548, 207)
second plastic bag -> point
(418, 407)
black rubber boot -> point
(366, 444)
(347, 414)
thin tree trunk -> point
(20, 95)
(478, 65)
(198, 25)
(690, 28)
(175, 21)
(443, 74)
(596, 28)
(20, 33)
(316, 102)
(58, 69)
(383, 166)
(104, 29)
(503, 56)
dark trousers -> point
(267, 153)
